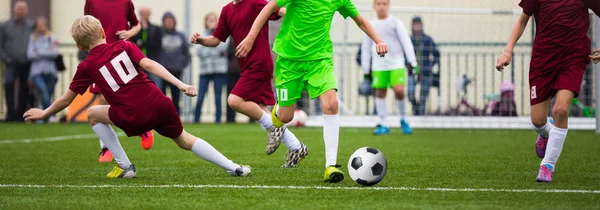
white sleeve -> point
(365, 54)
(409, 50)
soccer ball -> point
(299, 120)
(367, 166)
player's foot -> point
(118, 172)
(381, 130)
(147, 140)
(242, 170)
(540, 146)
(294, 156)
(545, 173)
(276, 121)
(105, 156)
(333, 174)
(405, 127)
(274, 139)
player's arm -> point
(127, 34)
(364, 25)
(281, 12)
(365, 54)
(60, 104)
(246, 45)
(505, 58)
(158, 70)
(409, 50)
(209, 41)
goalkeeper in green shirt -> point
(305, 62)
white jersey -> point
(394, 34)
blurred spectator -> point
(175, 55)
(14, 38)
(505, 106)
(428, 55)
(149, 40)
(233, 75)
(42, 52)
(213, 66)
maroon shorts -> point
(543, 85)
(258, 90)
(161, 116)
(94, 88)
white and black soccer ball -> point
(300, 118)
(367, 166)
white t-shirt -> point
(394, 34)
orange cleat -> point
(105, 156)
(147, 140)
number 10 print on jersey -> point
(125, 76)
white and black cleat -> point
(242, 170)
(295, 156)
(274, 138)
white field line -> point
(309, 188)
(50, 139)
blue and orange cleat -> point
(147, 140)
(105, 156)
(545, 173)
(381, 130)
(406, 129)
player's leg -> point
(540, 124)
(100, 121)
(380, 84)
(557, 135)
(397, 81)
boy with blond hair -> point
(136, 104)
(305, 62)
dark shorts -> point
(543, 85)
(94, 88)
(257, 90)
(161, 117)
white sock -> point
(265, 121)
(381, 108)
(290, 140)
(401, 107)
(331, 135)
(544, 131)
(102, 145)
(207, 152)
(111, 141)
(555, 145)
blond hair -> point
(87, 31)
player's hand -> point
(124, 34)
(244, 48)
(595, 56)
(34, 114)
(381, 49)
(503, 60)
(188, 90)
(196, 38)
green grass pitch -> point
(484, 160)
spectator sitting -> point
(505, 106)
(42, 52)
(14, 38)
(213, 66)
(175, 55)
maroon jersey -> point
(236, 20)
(115, 15)
(561, 31)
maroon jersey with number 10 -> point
(136, 104)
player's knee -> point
(234, 102)
(330, 106)
(538, 122)
(91, 116)
(560, 110)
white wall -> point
(4, 9)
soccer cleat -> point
(147, 140)
(381, 130)
(276, 121)
(333, 174)
(243, 170)
(105, 156)
(545, 173)
(274, 138)
(295, 156)
(540, 146)
(405, 127)
(118, 172)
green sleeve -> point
(348, 9)
(281, 3)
